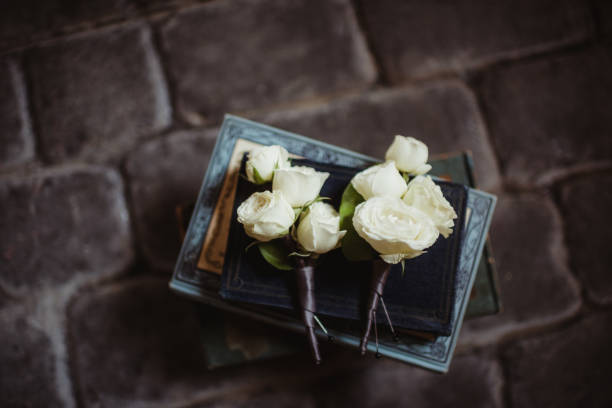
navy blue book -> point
(421, 299)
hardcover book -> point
(201, 260)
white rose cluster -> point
(266, 215)
(299, 185)
(319, 230)
(425, 195)
(401, 220)
(394, 229)
(270, 214)
(262, 162)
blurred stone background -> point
(108, 114)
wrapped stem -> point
(304, 271)
(380, 272)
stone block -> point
(27, 364)
(144, 344)
(242, 55)
(16, 139)
(550, 114)
(163, 174)
(603, 16)
(586, 202)
(473, 381)
(442, 114)
(567, 368)
(415, 39)
(290, 397)
(25, 21)
(537, 288)
(63, 224)
(95, 94)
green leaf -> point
(354, 247)
(275, 253)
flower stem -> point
(380, 272)
(305, 285)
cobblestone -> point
(240, 55)
(16, 139)
(569, 368)
(27, 368)
(66, 223)
(442, 114)
(97, 92)
(22, 21)
(152, 336)
(286, 398)
(537, 287)
(88, 85)
(25, 21)
(415, 39)
(550, 114)
(473, 381)
(586, 202)
(603, 14)
(156, 190)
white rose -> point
(263, 160)
(425, 195)
(298, 184)
(319, 231)
(410, 155)
(266, 215)
(393, 228)
(380, 180)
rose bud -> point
(266, 215)
(299, 185)
(379, 181)
(410, 155)
(262, 161)
(394, 229)
(425, 195)
(319, 231)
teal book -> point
(197, 272)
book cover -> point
(201, 280)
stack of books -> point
(427, 303)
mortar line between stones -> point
(139, 259)
(382, 78)
(163, 60)
(556, 188)
(506, 394)
(486, 122)
(95, 24)
(35, 125)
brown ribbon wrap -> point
(380, 272)
(304, 272)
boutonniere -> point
(291, 224)
(393, 213)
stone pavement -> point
(108, 115)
